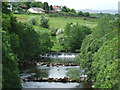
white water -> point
(60, 55)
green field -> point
(58, 22)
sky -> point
(86, 4)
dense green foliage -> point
(20, 43)
(74, 74)
(32, 43)
(36, 4)
(53, 31)
(64, 9)
(80, 13)
(73, 10)
(73, 36)
(9, 59)
(46, 7)
(32, 21)
(51, 7)
(86, 14)
(10, 71)
(99, 55)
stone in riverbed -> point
(50, 79)
(48, 65)
(44, 79)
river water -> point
(51, 72)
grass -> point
(58, 22)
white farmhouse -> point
(36, 10)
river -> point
(51, 72)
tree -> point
(68, 10)
(36, 4)
(9, 58)
(32, 20)
(10, 66)
(73, 10)
(53, 31)
(80, 13)
(51, 7)
(44, 21)
(28, 5)
(46, 7)
(86, 14)
(5, 7)
(99, 55)
(74, 34)
(64, 9)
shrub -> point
(60, 31)
(27, 13)
(80, 13)
(86, 14)
(52, 15)
(60, 39)
(74, 74)
(32, 20)
(53, 31)
(44, 21)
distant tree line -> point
(22, 7)
(73, 12)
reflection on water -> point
(52, 72)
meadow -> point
(60, 21)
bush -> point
(80, 13)
(60, 39)
(86, 14)
(44, 21)
(74, 74)
(32, 20)
(60, 31)
(27, 13)
(53, 31)
(52, 15)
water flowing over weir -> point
(40, 76)
(60, 55)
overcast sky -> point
(86, 4)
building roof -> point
(52, 11)
(56, 7)
(37, 9)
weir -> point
(59, 55)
